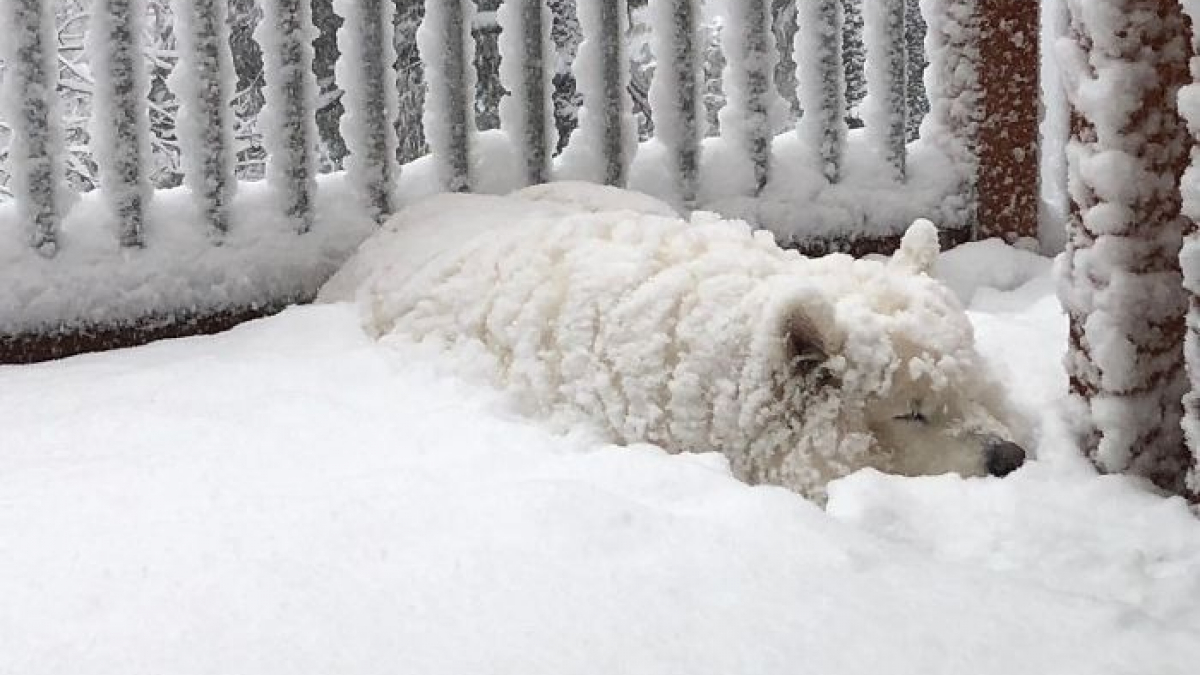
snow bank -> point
(313, 503)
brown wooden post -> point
(1122, 286)
(1007, 187)
(1189, 105)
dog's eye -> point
(914, 416)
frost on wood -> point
(603, 146)
(1121, 282)
(675, 93)
(748, 120)
(448, 54)
(526, 71)
(886, 110)
(1189, 107)
(120, 127)
(1008, 183)
(204, 82)
(364, 72)
(822, 83)
(955, 97)
(286, 34)
(36, 146)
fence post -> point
(1189, 106)
(822, 83)
(120, 126)
(1008, 184)
(526, 61)
(204, 82)
(1122, 286)
(364, 71)
(675, 91)
(35, 150)
(447, 51)
(887, 80)
(286, 34)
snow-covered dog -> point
(599, 306)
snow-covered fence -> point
(203, 82)
(1126, 66)
(286, 35)
(819, 184)
(1189, 107)
(36, 146)
(120, 128)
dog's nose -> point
(1004, 457)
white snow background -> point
(291, 497)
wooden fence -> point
(982, 94)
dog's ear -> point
(807, 346)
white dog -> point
(605, 308)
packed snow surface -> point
(291, 497)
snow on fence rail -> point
(131, 255)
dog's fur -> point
(696, 336)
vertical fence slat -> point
(364, 71)
(286, 35)
(747, 120)
(1008, 132)
(615, 75)
(955, 101)
(822, 83)
(539, 57)
(203, 81)
(447, 51)
(525, 69)
(758, 67)
(602, 147)
(35, 150)
(887, 80)
(675, 96)
(120, 126)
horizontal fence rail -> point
(603, 149)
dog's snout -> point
(1004, 457)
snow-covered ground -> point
(291, 498)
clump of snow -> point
(919, 248)
(591, 198)
(984, 266)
